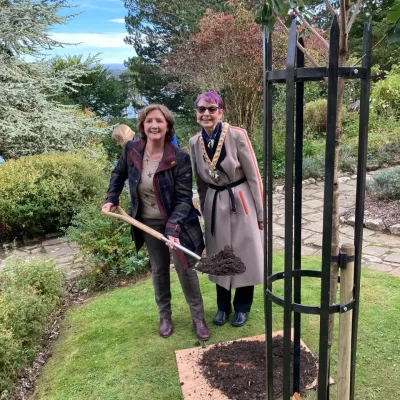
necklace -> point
(212, 164)
(149, 158)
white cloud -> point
(93, 40)
(118, 20)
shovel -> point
(123, 216)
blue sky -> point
(99, 28)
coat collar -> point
(135, 156)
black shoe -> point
(239, 319)
(221, 318)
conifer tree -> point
(31, 121)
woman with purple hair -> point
(231, 201)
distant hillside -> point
(115, 69)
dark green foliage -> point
(154, 28)
(40, 194)
(112, 150)
(106, 243)
(98, 90)
(384, 54)
(30, 293)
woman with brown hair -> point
(160, 185)
(231, 201)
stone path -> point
(381, 252)
(66, 255)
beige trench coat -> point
(240, 230)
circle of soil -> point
(223, 263)
(386, 210)
(237, 369)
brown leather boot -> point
(201, 328)
(165, 327)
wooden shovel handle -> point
(123, 216)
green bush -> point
(389, 153)
(112, 151)
(347, 159)
(315, 116)
(42, 277)
(106, 243)
(40, 194)
(30, 293)
(386, 184)
(10, 357)
(312, 167)
(385, 94)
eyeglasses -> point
(211, 109)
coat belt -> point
(217, 189)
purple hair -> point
(210, 97)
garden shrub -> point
(347, 159)
(312, 167)
(10, 357)
(42, 277)
(315, 116)
(106, 243)
(39, 194)
(111, 149)
(386, 184)
(385, 94)
(30, 293)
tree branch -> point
(353, 16)
(306, 23)
(373, 47)
(329, 8)
(299, 46)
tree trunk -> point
(343, 53)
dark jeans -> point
(241, 302)
(160, 268)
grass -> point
(110, 349)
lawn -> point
(110, 349)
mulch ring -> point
(222, 264)
(237, 369)
(387, 211)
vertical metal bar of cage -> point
(268, 183)
(360, 194)
(288, 257)
(298, 192)
(333, 69)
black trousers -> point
(241, 302)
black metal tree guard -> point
(294, 76)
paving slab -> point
(313, 216)
(383, 239)
(393, 258)
(381, 267)
(375, 250)
(313, 203)
(396, 272)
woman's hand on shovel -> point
(172, 241)
(109, 207)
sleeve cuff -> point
(112, 199)
(172, 230)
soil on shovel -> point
(238, 369)
(223, 263)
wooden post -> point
(345, 326)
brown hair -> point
(122, 133)
(167, 115)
